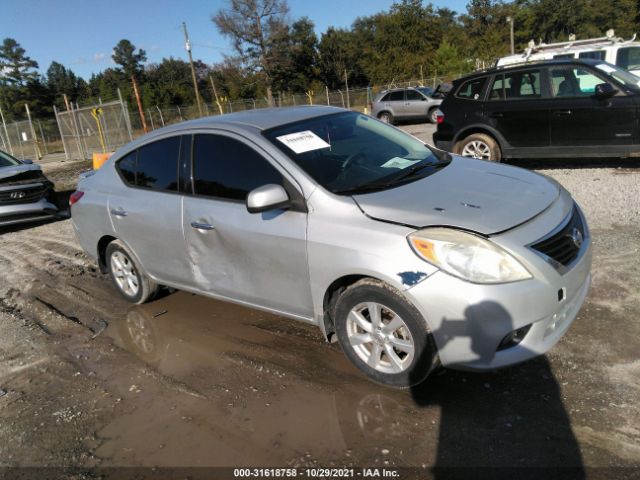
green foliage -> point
(124, 55)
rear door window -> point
(227, 168)
(396, 96)
(471, 89)
(154, 166)
(413, 95)
(127, 168)
(158, 165)
(517, 85)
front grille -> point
(24, 194)
(563, 246)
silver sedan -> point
(406, 255)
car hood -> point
(13, 170)
(474, 195)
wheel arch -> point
(335, 289)
(484, 129)
(104, 241)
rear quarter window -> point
(471, 89)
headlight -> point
(467, 256)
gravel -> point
(608, 190)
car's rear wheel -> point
(127, 276)
(433, 115)
(480, 146)
(383, 334)
(385, 117)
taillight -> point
(75, 196)
(439, 117)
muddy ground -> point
(88, 381)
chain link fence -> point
(30, 140)
(94, 129)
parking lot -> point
(88, 380)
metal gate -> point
(94, 129)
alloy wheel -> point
(477, 149)
(125, 274)
(380, 337)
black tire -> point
(433, 118)
(385, 117)
(145, 289)
(494, 152)
(425, 353)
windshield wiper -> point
(394, 181)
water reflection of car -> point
(413, 103)
(407, 255)
(24, 192)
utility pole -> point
(187, 46)
(139, 102)
(510, 20)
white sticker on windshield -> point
(605, 68)
(301, 142)
(398, 162)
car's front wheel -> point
(127, 276)
(383, 334)
(480, 146)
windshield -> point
(350, 152)
(7, 160)
(426, 90)
(628, 79)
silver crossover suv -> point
(419, 103)
(410, 257)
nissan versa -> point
(409, 256)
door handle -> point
(496, 115)
(118, 212)
(202, 226)
(562, 113)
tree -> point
(258, 28)
(62, 81)
(16, 67)
(131, 63)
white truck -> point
(611, 49)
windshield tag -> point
(301, 142)
(398, 162)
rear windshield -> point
(350, 152)
(7, 160)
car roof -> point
(264, 118)
(249, 120)
(534, 63)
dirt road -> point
(87, 380)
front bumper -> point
(468, 321)
(26, 212)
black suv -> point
(554, 108)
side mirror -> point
(268, 197)
(424, 99)
(27, 162)
(605, 90)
